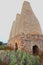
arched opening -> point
(35, 50)
(16, 47)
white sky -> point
(8, 11)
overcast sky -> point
(8, 11)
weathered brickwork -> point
(26, 42)
(26, 32)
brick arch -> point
(35, 50)
(18, 43)
(34, 45)
(16, 46)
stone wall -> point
(26, 42)
(26, 22)
(26, 31)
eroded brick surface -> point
(26, 31)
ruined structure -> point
(26, 32)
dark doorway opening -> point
(16, 47)
(35, 50)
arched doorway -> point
(16, 47)
(35, 50)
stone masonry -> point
(26, 32)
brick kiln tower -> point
(26, 33)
